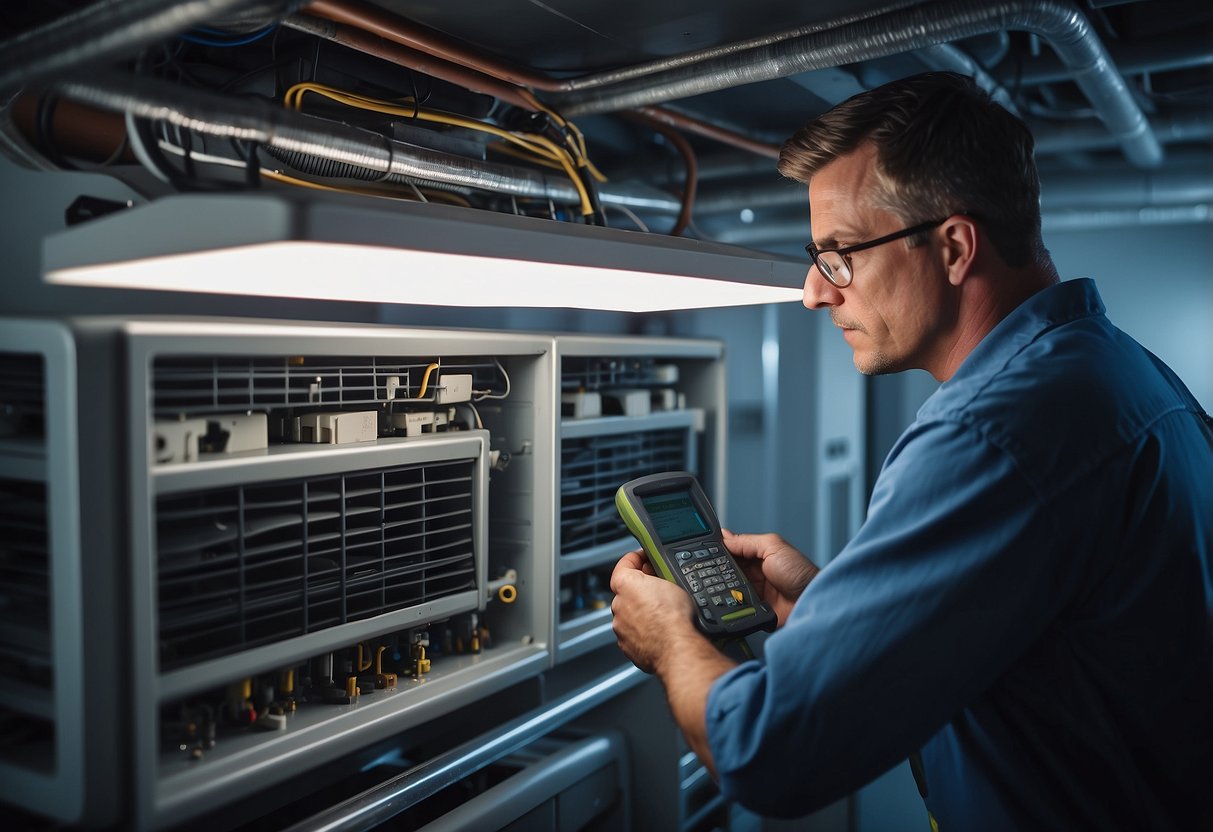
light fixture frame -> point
(332, 246)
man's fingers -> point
(631, 562)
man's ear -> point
(962, 243)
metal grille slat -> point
(592, 469)
(604, 372)
(25, 585)
(22, 395)
(186, 385)
(297, 556)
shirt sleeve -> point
(947, 583)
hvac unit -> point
(629, 406)
(290, 530)
(58, 717)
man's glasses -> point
(835, 265)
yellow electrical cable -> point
(539, 145)
(425, 379)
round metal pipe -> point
(379, 803)
(106, 29)
(1058, 21)
(1185, 51)
(259, 121)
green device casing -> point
(671, 517)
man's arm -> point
(655, 629)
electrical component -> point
(504, 589)
(420, 640)
(417, 422)
(456, 387)
(583, 404)
(626, 402)
(177, 441)
(664, 399)
(665, 373)
(335, 428)
(235, 432)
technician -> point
(1027, 612)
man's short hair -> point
(943, 147)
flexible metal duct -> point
(106, 29)
(260, 121)
(352, 148)
(904, 30)
(1105, 188)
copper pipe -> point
(78, 130)
(688, 157)
(371, 44)
(406, 33)
(709, 131)
(413, 37)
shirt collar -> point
(1059, 304)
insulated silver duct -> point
(106, 29)
(904, 30)
(339, 144)
(1104, 187)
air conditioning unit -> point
(630, 406)
(264, 546)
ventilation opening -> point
(604, 373)
(249, 565)
(27, 729)
(593, 468)
(198, 385)
(22, 396)
(585, 592)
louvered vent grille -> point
(198, 385)
(604, 373)
(25, 604)
(22, 395)
(245, 566)
(593, 468)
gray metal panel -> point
(609, 425)
(61, 792)
(164, 798)
(203, 222)
(190, 788)
(538, 782)
(706, 409)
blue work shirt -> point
(1029, 603)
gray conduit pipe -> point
(259, 121)
(904, 30)
(106, 29)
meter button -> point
(717, 600)
(700, 554)
(701, 600)
(695, 587)
(683, 555)
(712, 550)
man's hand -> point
(651, 614)
(655, 627)
(778, 571)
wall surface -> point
(1157, 283)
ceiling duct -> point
(125, 25)
(897, 32)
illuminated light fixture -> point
(338, 247)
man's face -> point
(896, 303)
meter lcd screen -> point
(674, 516)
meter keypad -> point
(712, 578)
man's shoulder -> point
(1069, 396)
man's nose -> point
(819, 293)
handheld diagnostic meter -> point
(677, 528)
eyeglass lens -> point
(834, 267)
